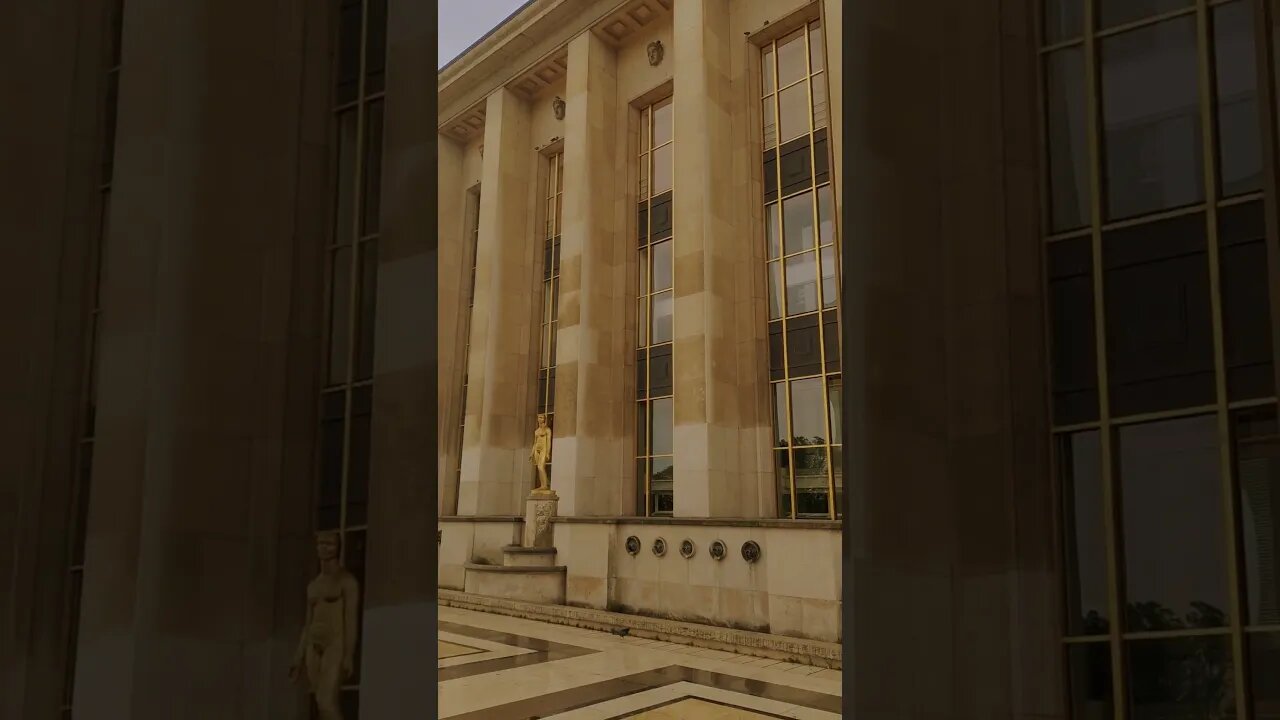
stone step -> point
(542, 585)
(520, 556)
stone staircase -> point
(526, 573)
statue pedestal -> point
(539, 508)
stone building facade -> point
(1051, 476)
(630, 247)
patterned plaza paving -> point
(494, 667)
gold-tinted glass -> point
(655, 312)
(802, 275)
(1163, 390)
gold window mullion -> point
(1208, 133)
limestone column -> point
(496, 473)
(451, 321)
(589, 449)
(198, 543)
(400, 566)
(49, 203)
(948, 421)
(706, 443)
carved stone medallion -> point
(750, 551)
(557, 106)
(655, 51)
(659, 547)
(687, 549)
(633, 545)
(718, 550)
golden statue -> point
(328, 643)
(540, 454)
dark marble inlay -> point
(543, 651)
(596, 693)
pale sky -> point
(462, 22)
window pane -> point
(662, 426)
(660, 376)
(662, 265)
(357, 495)
(766, 72)
(349, 22)
(368, 309)
(1264, 674)
(775, 290)
(793, 112)
(1175, 557)
(646, 137)
(642, 321)
(829, 292)
(802, 283)
(345, 189)
(769, 122)
(826, 215)
(1117, 12)
(642, 191)
(771, 230)
(791, 59)
(662, 485)
(339, 315)
(1068, 148)
(1159, 329)
(662, 169)
(782, 474)
(795, 165)
(1062, 19)
(662, 118)
(780, 416)
(642, 435)
(644, 268)
(810, 470)
(1085, 544)
(816, 50)
(835, 392)
(1246, 302)
(819, 89)
(372, 200)
(797, 223)
(1089, 681)
(1151, 119)
(804, 354)
(663, 305)
(1075, 378)
(808, 412)
(1190, 677)
(1239, 135)
(1257, 468)
(375, 47)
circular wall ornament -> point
(718, 550)
(633, 545)
(659, 547)
(687, 549)
(750, 551)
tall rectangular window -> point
(655, 313)
(1163, 381)
(86, 429)
(803, 276)
(346, 399)
(548, 322)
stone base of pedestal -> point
(539, 508)
(530, 584)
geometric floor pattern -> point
(494, 667)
